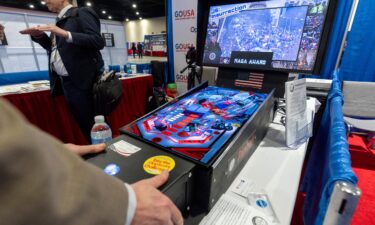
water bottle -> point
(100, 132)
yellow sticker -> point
(155, 165)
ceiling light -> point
(110, 17)
(137, 13)
(134, 5)
(127, 19)
(88, 4)
(42, 2)
(140, 18)
(31, 6)
(104, 12)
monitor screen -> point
(282, 35)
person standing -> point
(75, 60)
(140, 50)
(134, 49)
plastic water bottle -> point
(100, 132)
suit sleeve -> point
(44, 183)
(90, 35)
(44, 41)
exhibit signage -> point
(109, 39)
(184, 22)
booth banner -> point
(184, 22)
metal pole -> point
(32, 43)
(348, 26)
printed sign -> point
(184, 35)
(157, 164)
(109, 39)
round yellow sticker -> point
(155, 165)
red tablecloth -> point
(52, 115)
(156, 53)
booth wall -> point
(135, 30)
(20, 48)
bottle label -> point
(100, 140)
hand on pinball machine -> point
(153, 207)
(85, 149)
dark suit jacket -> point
(82, 58)
(42, 182)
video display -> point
(275, 35)
(199, 125)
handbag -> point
(107, 93)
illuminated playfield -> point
(200, 124)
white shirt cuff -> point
(70, 38)
(132, 204)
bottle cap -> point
(99, 119)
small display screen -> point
(269, 35)
(200, 124)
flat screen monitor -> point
(282, 35)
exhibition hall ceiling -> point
(107, 9)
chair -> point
(115, 68)
(209, 74)
(159, 73)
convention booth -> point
(248, 140)
(52, 115)
(156, 45)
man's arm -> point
(90, 25)
(44, 183)
(39, 37)
(44, 41)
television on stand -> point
(260, 42)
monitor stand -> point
(252, 80)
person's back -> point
(140, 50)
(134, 49)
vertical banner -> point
(183, 14)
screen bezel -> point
(328, 21)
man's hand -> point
(152, 206)
(85, 149)
(34, 32)
(39, 31)
(54, 29)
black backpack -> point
(107, 93)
